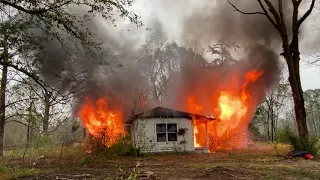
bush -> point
(309, 144)
(125, 148)
(122, 147)
(3, 168)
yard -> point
(261, 162)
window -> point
(166, 132)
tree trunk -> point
(46, 116)
(28, 131)
(314, 123)
(3, 92)
(295, 83)
(30, 124)
(272, 116)
(292, 55)
(84, 133)
(268, 125)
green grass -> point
(55, 151)
(7, 172)
(291, 173)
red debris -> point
(308, 156)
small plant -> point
(182, 131)
(183, 142)
(133, 175)
(85, 160)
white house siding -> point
(144, 135)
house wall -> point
(144, 135)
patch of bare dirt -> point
(224, 173)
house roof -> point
(167, 113)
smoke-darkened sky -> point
(175, 14)
(183, 21)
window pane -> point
(161, 137)
(172, 127)
(172, 136)
(161, 128)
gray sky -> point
(172, 13)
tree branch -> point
(304, 17)
(11, 116)
(283, 23)
(16, 67)
(58, 125)
(237, 9)
(273, 11)
(23, 124)
(20, 100)
(34, 11)
(265, 13)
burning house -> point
(231, 94)
(162, 129)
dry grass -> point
(260, 161)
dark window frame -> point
(166, 132)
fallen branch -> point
(230, 174)
(69, 176)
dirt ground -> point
(257, 164)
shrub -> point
(308, 143)
(94, 145)
(125, 148)
(3, 168)
(122, 147)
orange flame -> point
(196, 108)
(101, 121)
(231, 106)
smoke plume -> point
(218, 20)
(69, 68)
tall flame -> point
(231, 107)
(101, 121)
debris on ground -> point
(300, 154)
(146, 175)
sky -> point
(172, 14)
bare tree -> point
(275, 102)
(267, 114)
(159, 60)
(291, 52)
(222, 50)
(312, 97)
